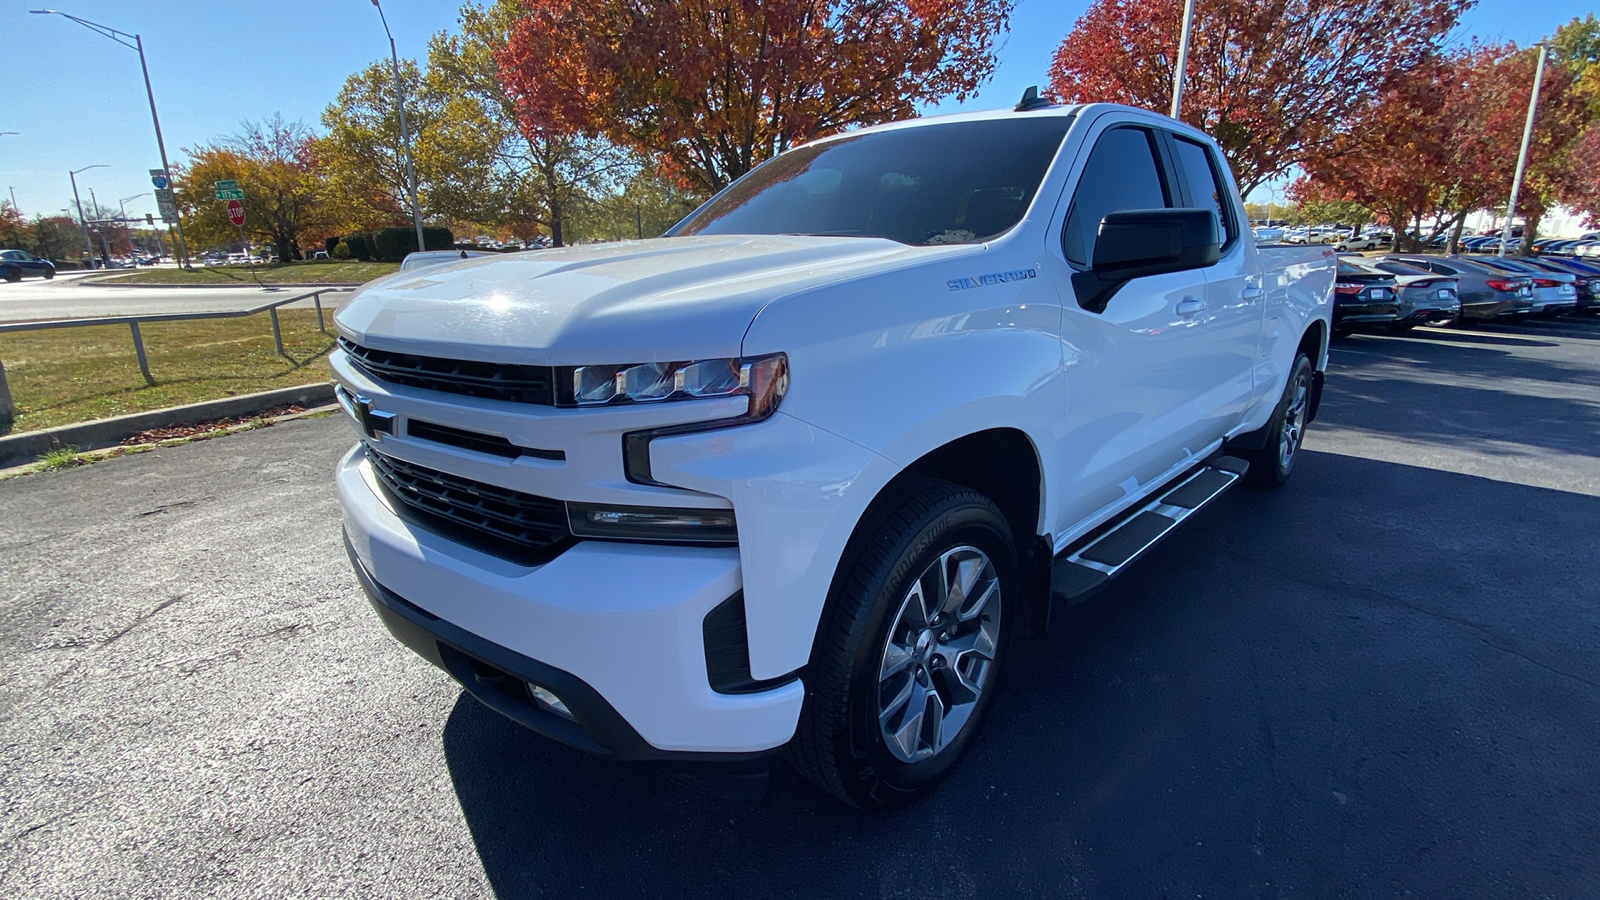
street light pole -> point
(122, 37)
(88, 246)
(12, 189)
(405, 130)
(1522, 155)
(1183, 58)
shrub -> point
(436, 238)
(340, 250)
(359, 248)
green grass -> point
(337, 271)
(63, 458)
(67, 375)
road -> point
(1381, 681)
(66, 298)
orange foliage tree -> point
(1274, 81)
(710, 88)
(1445, 143)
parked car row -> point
(1401, 291)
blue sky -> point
(78, 99)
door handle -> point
(1252, 294)
(1188, 306)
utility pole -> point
(88, 246)
(1183, 59)
(405, 130)
(1522, 155)
(122, 37)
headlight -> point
(764, 379)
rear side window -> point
(1122, 173)
(1201, 173)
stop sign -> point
(236, 212)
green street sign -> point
(231, 194)
(229, 185)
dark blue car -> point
(18, 264)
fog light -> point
(546, 699)
(648, 523)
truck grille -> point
(493, 519)
(495, 381)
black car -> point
(16, 265)
(1363, 295)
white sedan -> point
(1365, 242)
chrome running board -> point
(1085, 567)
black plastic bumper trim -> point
(497, 677)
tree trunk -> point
(1530, 230)
(1453, 246)
(283, 245)
(555, 225)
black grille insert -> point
(495, 381)
(493, 519)
(474, 440)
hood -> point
(634, 301)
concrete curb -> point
(28, 446)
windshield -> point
(954, 183)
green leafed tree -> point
(276, 166)
(362, 151)
(481, 164)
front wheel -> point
(905, 659)
(49, 274)
(1270, 466)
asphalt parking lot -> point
(1382, 681)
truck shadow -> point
(1302, 688)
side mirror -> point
(1134, 243)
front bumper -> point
(619, 626)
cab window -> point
(1200, 171)
(1123, 172)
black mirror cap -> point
(1135, 243)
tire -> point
(13, 275)
(1271, 466)
(858, 737)
(49, 273)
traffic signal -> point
(149, 218)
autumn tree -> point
(485, 164)
(1576, 47)
(710, 88)
(363, 150)
(276, 167)
(1274, 81)
(647, 204)
(1444, 143)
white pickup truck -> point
(796, 477)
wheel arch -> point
(1003, 464)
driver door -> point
(1133, 379)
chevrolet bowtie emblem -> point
(373, 423)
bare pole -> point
(405, 130)
(183, 247)
(1183, 59)
(123, 38)
(1522, 155)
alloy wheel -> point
(940, 654)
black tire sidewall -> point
(1280, 473)
(965, 524)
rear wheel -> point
(908, 650)
(1271, 465)
(13, 274)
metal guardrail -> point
(133, 322)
